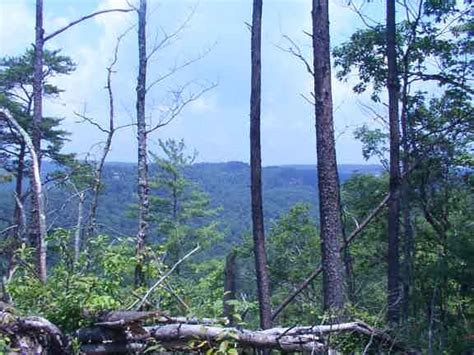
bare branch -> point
(177, 68)
(177, 336)
(55, 33)
(91, 121)
(318, 271)
(169, 38)
(364, 18)
(8, 229)
(308, 100)
(163, 278)
(179, 103)
(295, 50)
(371, 110)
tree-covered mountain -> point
(228, 186)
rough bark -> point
(328, 180)
(37, 229)
(143, 186)
(229, 286)
(393, 272)
(36, 194)
(263, 283)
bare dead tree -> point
(180, 98)
(110, 131)
(175, 334)
(143, 186)
(261, 268)
(37, 233)
(81, 196)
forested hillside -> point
(162, 254)
(225, 183)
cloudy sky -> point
(217, 124)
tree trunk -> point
(17, 232)
(393, 283)
(408, 232)
(78, 232)
(37, 225)
(92, 228)
(143, 188)
(36, 193)
(328, 180)
(229, 286)
(263, 283)
(348, 264)
(38, 78)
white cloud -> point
(16, 27)
(217, 123)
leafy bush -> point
(100, 280)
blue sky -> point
(217, 124)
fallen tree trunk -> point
(124, 332)
(32, 335)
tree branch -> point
(179, 104)
(316, 272)
(55, 33)
(140, 303)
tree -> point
(16, 80)
(393, 272)
(430, 31)
(180, 98)
(328, 180)
(36, 231)
(179, 207)
(143, 188)
(110, 129)
(263, 285)
(17, 84)
(36, 188)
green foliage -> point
(293, 250)
(205, 293)
(179, 207)
(374, 143)
(16, 93)
(419, 41)
(101, 280)
(4, 344)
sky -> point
(217, 124)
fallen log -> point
(261, 339)
(184, 336)
(125, 332)
(32, 335)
